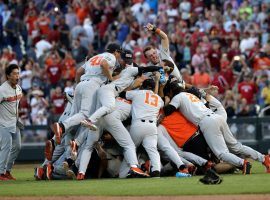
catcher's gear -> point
(211, 177)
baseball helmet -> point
(127, 56)
(113, 47)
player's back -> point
(145, 105)
(126, 78)
(93, 68)
(190, 106)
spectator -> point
(201, 79)
(247, 89)
(58, 103)
(229, 103)
(78, 52)
(68, 67)
(26, 77)
(53, 69)
(38, 104)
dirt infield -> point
(205, 197)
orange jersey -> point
(179, 128)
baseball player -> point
(10, 137)
(107, 93)
(154, 57)
(235, 146)
(113, 123)
(98, 70)
(145, 109)
(212, 125)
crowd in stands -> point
(222, 42)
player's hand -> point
(150, 27)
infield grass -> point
(256, 183)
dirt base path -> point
(206, 197)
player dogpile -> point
(142, 122)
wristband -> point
(157, 31)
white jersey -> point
(216, 106)
(9, 103)
(145, 104)
(126, 78)
(123, 106)
(165, 54)
(93, 69)
(190, 106)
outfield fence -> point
(251, 131)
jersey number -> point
(193, 98)
(151, 99)
(96, 60)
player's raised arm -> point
(164, 38)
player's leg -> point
(15, 150)
(5, 144)
(122, 136)
(150, 145)
(88, 103)
(106, 96)
(237, 148)
(92, 137)
(211, 128)
(164, 145)
(185, 156)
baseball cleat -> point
(57, 130)
(3, 177)
(246, 167)
(266, 163)
(9, 176)
(136, 172)
(74, 148)
(87, 123)
(80, 176)
(49, 170)
(182, 175)
(48, 150)
(39, 173)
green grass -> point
(256, 183)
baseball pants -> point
(84, 103)
(106, 96)
(114, 125)
(190, 157)
(145, 133)
(10, 146)
(214, 128)
(237, 148)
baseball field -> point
(254, 186)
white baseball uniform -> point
(112, 123)
(234, 146)
(84, 103)
(107, 93)
(10, 137)
(213, 126)
(145, 109)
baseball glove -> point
(211, 178)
